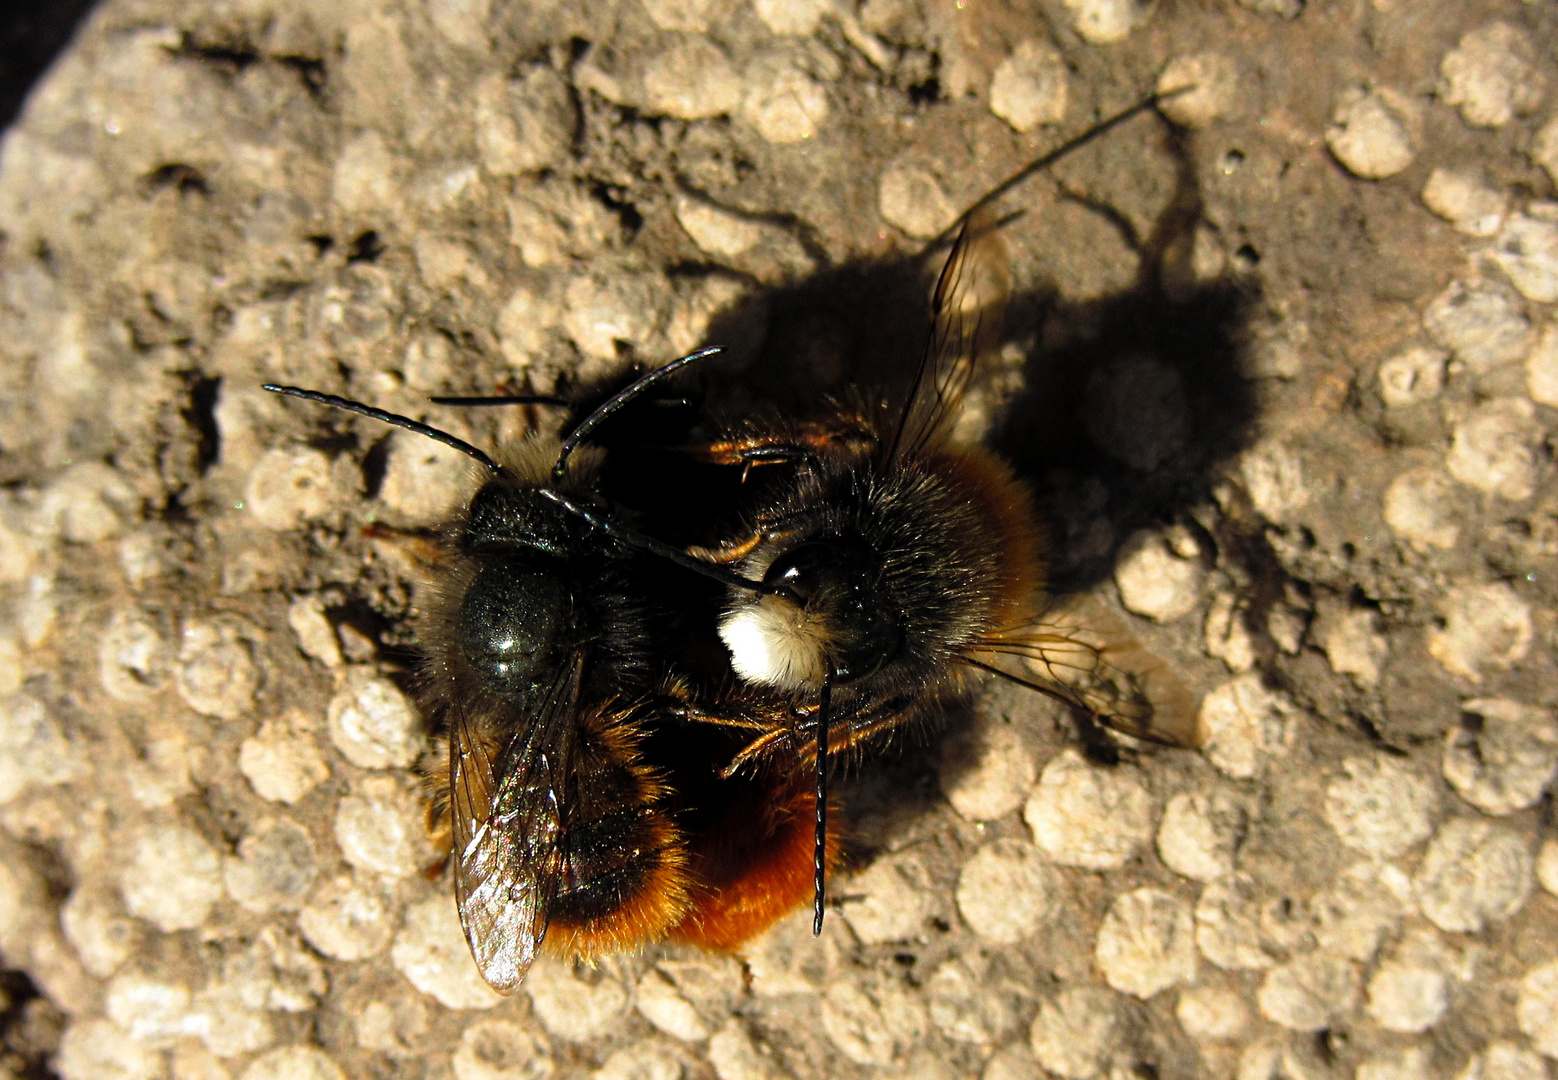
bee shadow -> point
(1129, 408)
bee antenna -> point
(819, 859)
(596, 418)
(393, 419)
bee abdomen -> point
(625, 880)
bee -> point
(578, 819)
(903, 563)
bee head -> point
(825, 615)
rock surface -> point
(1280, 368)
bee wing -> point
(967, 309)
(1080, 652)
(507, 813)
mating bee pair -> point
(640, 730)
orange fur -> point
(1003, 501)
(749, 884)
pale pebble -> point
(644, 1060)
(424, 481)
(1155, 579)
(734, 1056)
(275, 867)
(786, 959)
(873, 1021)
(986, 770)
(216, 674)
(1547, 867)
(1542, 368)
(1029, 87)
(396, 1027)
(1504, 759)
(381, 827)
(373, 723)
(498, 1049)
(291, 486)
(172, 877)
(1490, 75)
(910, 198)
(195, 1061)
(1228, 924)
(695, 16)
(1462, 198)
(1379, 807)
(783, 102)
(1363, 907)
(660, 1002)
(968, 1009)
(1479, 323)
(1421, 507)
(524, 124)
(1407, 1063)
(1226, 633)
(1412, 377)
(1544, 149)
(573, 1001)
(1201, 832)
(888, 901)
(1527, 251)
(1504, 1060)
(99, 929)
(34, 752)
(430, 951)
(88, 503)
(101, 1050)
(1273, 475)
(1354, 646)
(1483, 629)
(1473, 873)
(716, 231)
(367, 175)
(1106, 22)
(1310, 993)
(1374, 132)
(603, 311)
(1209, 89)
(1212, 1012)
(1075, 1031)
(692, 80)
(282, 762)
(1407, 998)
(1014, 1061)
(315, 633)
(1088, 816)
(1243, 723)
(1536, 1009)
(796, 18)
(150, 1009)
(294, 1063)
(1146, 943)
(349, 920)
(1007, 891)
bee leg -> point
(416, 553)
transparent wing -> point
(967, 310)
(508, 818)
(1080, 652)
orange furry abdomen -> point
(748, 882)
(1003, 501)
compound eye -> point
(808, 569)
(835, 581)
